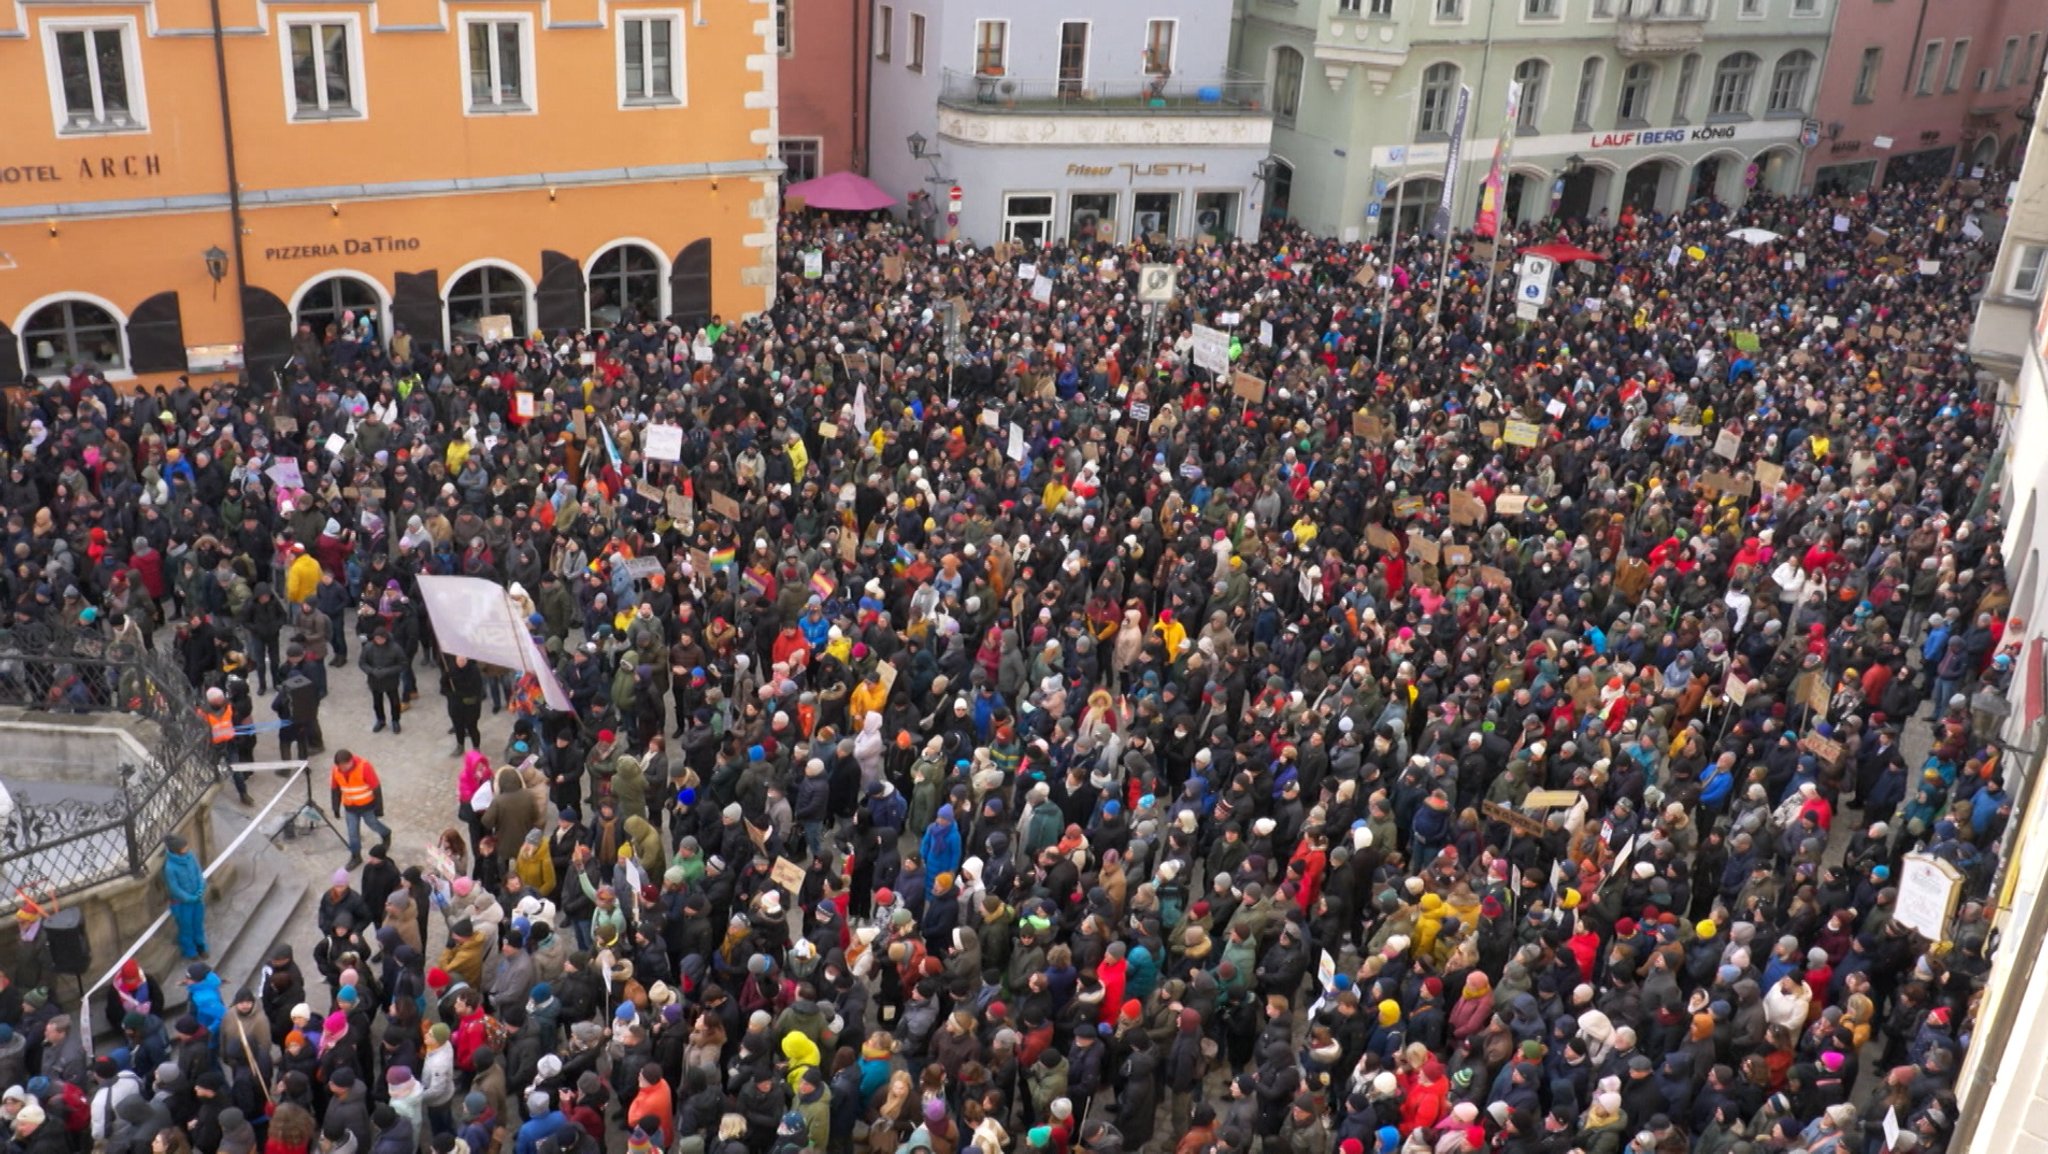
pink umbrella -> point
(841, 192)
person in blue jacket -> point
(186, 885)
(940, 847)
(202, 987)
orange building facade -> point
(430, 165)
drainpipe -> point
(864, 71)
(227, 133)
(1913, 61)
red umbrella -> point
(842, 192)
(1563, 253)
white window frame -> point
(1802, 97)
(1286, 101)
(1173, 226)
(1807, 9)
(131, 50)
(1434, 123)
(1059, 47)
(1930, 60)
(1958, 62)
(529, 74)
(124, 373)
(679, 94)
(1535, 93)
(1379, 9)
(916, 43)
(1350, 7)
(785, 28)
(1003, 57)
(884, 31)
(1686, 86)
(1748, 90)
(1457, 15)
(1050, 220)
(359, 103)
(1586, 97)
(1552, 11)
(2029, 272)
(1601, 10)
(816, 142)
(1751, 10)
(1642, 113)
(1172, 45)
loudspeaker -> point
(70, 951)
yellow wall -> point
(416, 130)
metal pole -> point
(1394, 245)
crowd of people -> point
(1446, 731)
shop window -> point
(95, 75)
(1216, 214)
(1091, 217)
(485, 291)
(66, 333)
(323, 67)
(332, 301)
(1154, 212)
(1027, 218)
(651, 59)
(498, 54)
(625, 285)
(800, 157)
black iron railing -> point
(50, 849)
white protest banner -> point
(1041, 290)
(477, 619)
(1027, 271)
(664, 442)
(1017, 450)
(814, 265)
(1266, 333)
(286, 474)
(1212, 349)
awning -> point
(1563, 253)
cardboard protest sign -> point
(1510, 504)
(1770, 475)
(1408, 507)
(1727, 444)
(1489, 429)
(1382, 539)
(1467, 509)
(1523, 433)
(1423, 549)
(892, 268)
(1494, 578)
(1682, 430)
(1730, 483)
(1369, 426)
(1457, 556)
(1248, 388)
(724, 506)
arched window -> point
(1534, 77)
(625, 284)
(1734, 77)
(1637, 84)
(328, 301)
(1788, 82)
(65, 333)
(1439, 90)
(1588, 98)
(1287, 70)
(488, 290)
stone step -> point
(244, 922)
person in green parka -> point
(629, 786)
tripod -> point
(307, 813)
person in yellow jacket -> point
(301, 577)
(799, 457)
(867, 697)
(1170, 631)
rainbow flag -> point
(823, 585)
(722, 559)
(902, 560)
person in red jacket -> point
(1425, 1097)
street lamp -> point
(216, 265)
(917, 142)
